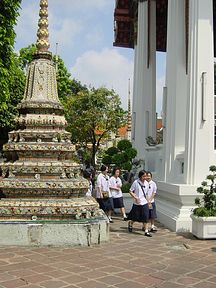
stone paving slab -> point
(129, 260)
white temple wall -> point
(182, 162)
(189, 132)
(199, 153)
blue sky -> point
(83, 30)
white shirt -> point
(138, 191)
(115, 182)
(89, 192)
(103, 184)
(152, 189)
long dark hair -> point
(149, 172)
(141, 173)
(103, 168)
(115, 169)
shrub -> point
(127, 166)
(121, 156)
(112, 150)
(124, 144)
(107, 160)
(207, 203)
(131, 153)
(125, 187)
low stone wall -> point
(54, 233)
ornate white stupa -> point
(42, 184)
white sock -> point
(146, 230)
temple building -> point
(185, 31)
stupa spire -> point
(43, 33)
(129, 107)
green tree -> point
(91, 115)
(8, 15)
(26, 55)
(11, 78)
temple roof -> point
(124, 23)
(125, 15)
(125, 31)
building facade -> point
(184, 29)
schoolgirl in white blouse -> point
(152, 191)
(102, 186)
(140, 208)
(115, 184)
(88, 175)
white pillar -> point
(144, 94)
(176, 83)
(189, 133)
(200, 106)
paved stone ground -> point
(166, 260)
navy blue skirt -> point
(118, 202)
(105, 204)
(139, 213)
(152, 212)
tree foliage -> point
(8, 15)
(11, 77)
(91, 115)
(26, 55)
(120, 156)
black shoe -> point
(124, 218)
(110, 219)
(153, 230)
(147, 234)
(130, 228)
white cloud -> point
(94, 37)
(64, 32)
(61, 29)
(71, 24)
(105, 68)
(72, 6)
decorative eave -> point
(124, 23)
(125, 19)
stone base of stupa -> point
(52, 222)
(54, 232)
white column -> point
(200, 106)
(189, 132)
(144, 94)
(176, 83)
(135, 99)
